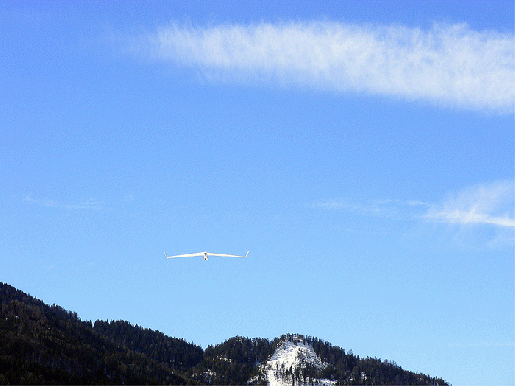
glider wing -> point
(185, 255)
(226, 255)
(204, 254)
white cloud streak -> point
(480, 215)
(488, 204)
(484, 204)
(375, 208)
(450, 65)
(86, 204)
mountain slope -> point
(45, 344)
(42, 344)
(304, 360)
(155, 345)
(294, 361)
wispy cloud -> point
(479, 215)
(451, 65)
(85, 204)
(386, 208)
(487, 204)
(484, 204)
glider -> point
(205, 255)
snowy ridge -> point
(293, 362)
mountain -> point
(43, 344)
(294, 361)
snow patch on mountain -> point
(291, 362)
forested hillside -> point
(242, 360)
(42, 344)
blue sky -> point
(362, 151)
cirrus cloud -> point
(486, 204)
(479, 215)
(90, 203)
(451, 65)
(482, 204)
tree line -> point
(46, 344)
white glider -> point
(205, 255)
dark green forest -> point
(46, 344)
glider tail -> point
(166, 255)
